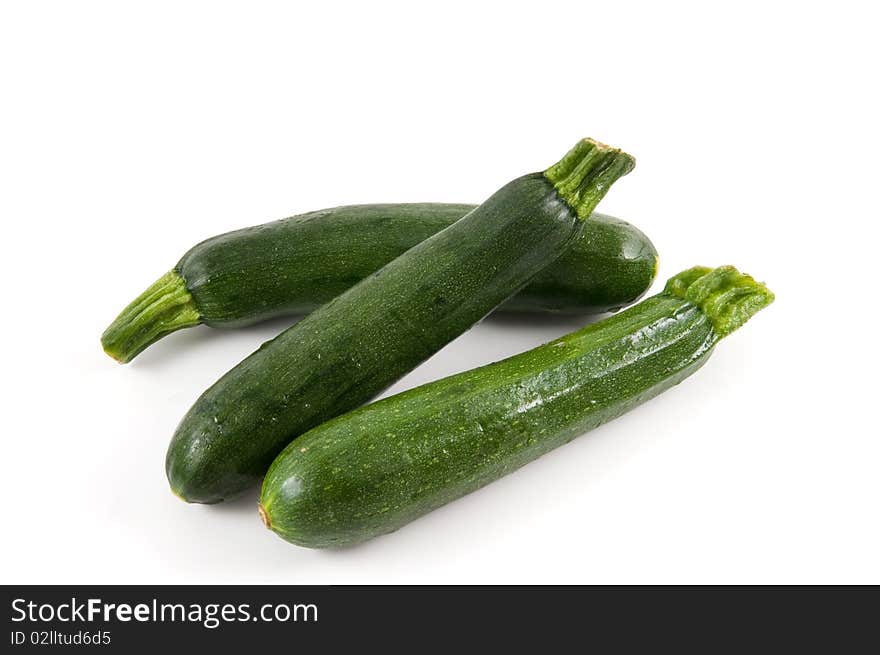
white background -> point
(129, 132)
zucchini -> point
(381, 466)
(294, 265)
(353, 347)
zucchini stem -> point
(729, 298)
(165, 307)
(586, 172)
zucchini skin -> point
(377, 468)
(297, 264)
(353, 347)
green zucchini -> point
(353, 347)
(379, 467)
(296, 264)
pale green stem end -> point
(727, 297)
(586, 172)
(165, 307)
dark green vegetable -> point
(379, 467)
(350, 349)
(296, 264)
